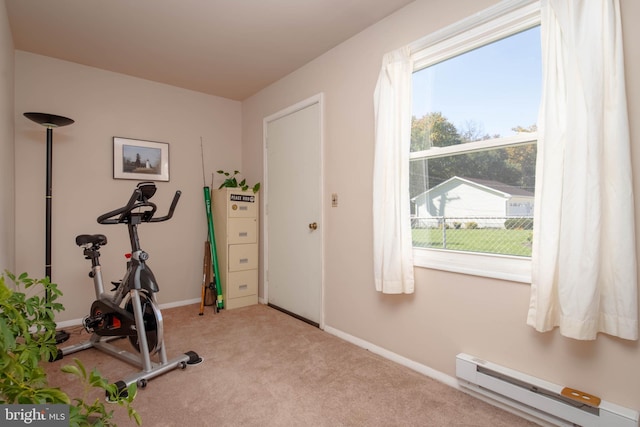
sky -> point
(495, 87)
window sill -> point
(504, 267)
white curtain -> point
(392, 246)
(584, 255)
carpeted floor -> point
(264, 368)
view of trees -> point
(512, 166)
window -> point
(473, 144)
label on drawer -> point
(242, 198)
(243, 257)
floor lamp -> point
(49, 121)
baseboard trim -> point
(78, 322)
(179, 303)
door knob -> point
(313, 226)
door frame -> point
(315, 99)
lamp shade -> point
(49, 120)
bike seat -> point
(94, 239)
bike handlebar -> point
(172, 208)
(124, 213)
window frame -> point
(500, 21)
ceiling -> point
(227, 48)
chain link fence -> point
(494, 235)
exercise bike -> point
(130, 310)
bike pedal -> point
(90, 323)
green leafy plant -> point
(83, 413)
(231, 180)
(27, 340)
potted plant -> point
(27, 340)
(231, 180)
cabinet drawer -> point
(242, 283)
(241, 230)
(242, 205)
(243, 257)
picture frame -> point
(140, 160)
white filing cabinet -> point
(235, 217)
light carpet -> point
(264, 368)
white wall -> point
(103, 105)
(7, 232)
(449, 313)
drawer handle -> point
(243, 208)
(244, 260)
(243, 287)
(243, 234)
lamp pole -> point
(50, 121)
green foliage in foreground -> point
(28, 339)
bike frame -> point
(137, 284)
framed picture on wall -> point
(140, 160)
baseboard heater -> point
(546, 401)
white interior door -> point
(293, 232)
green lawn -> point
(487, 240)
